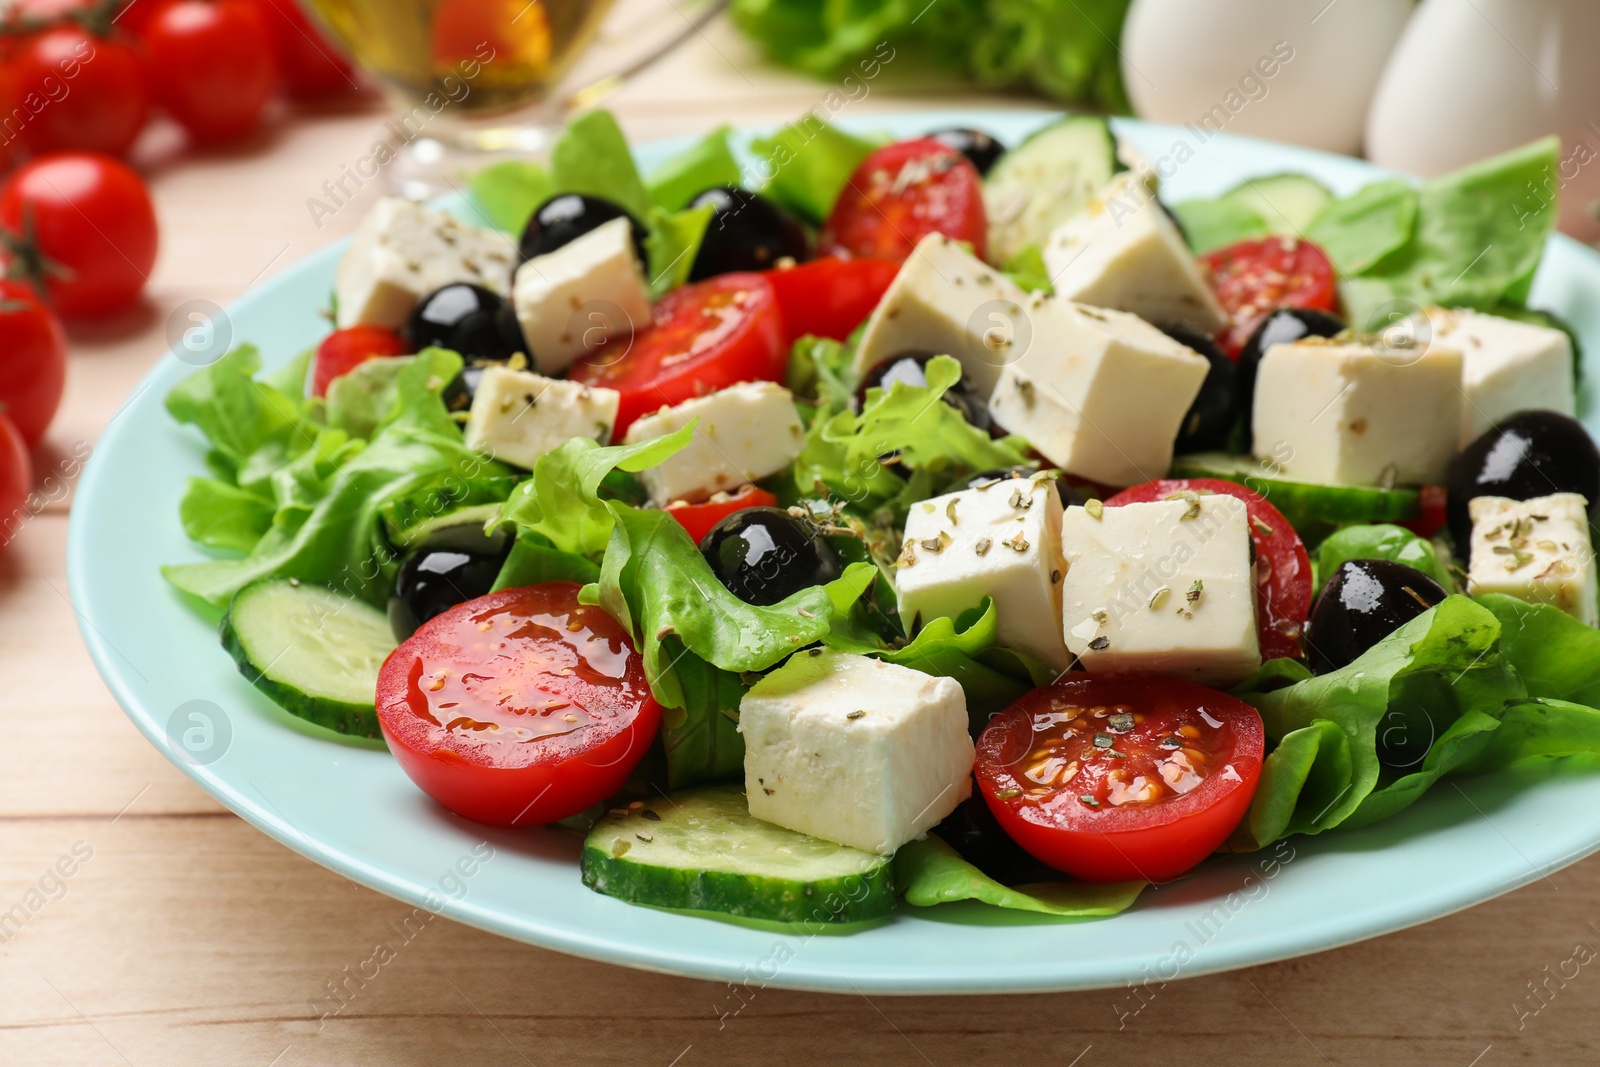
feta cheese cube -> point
(948, 302)
(746, 432)
(1508, 366)
(855, 750)
(570, 301)
(1003, 541)
(517, 416)
(1123, 251)
(1349, 413)
(402, 251)
(1536, 549)
(1165, 586)
(1100, 393)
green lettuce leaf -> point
(219, 515)
(507, 192)
(359, 401)
(533, 560)
(1028, 270)
(928, 871)
(1379, 541)
(592, 157)
(1361, 229)
(253, 426)
(1213, 224)
(706, 163)
(1555, 655)
(821, 372)
(805, 164)
(674, 238)
(560, 500)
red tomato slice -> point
(829, 297)
(1432, 513)
(1116, 777)
(1253, 278)
(518, 708)
(703, 337)
(698, 519)
(899, 195)
(1283, 569)
(342, 351)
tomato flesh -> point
(829, 297)
(703, 337)
(1252, 279)
(698, 519)
(1120, 777)
(1283, 567)
(342, 351)
(518, 708)
(900, 194)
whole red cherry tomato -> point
(33, 360)
(16, 480)
(92, 93)
(86, 227)
(213, 65)
(308, 64)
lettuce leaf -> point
(706, 163)
(1213, 224)
(1379, 541)
(508, 192)
(928, 871)
(806, 163)
(1361, 229)
(820, 371)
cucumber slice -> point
(1286, 202)
(1046, 180)
(312, 649)
(1309, 507)
(473, 515)
(702, 850)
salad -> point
(849, 521)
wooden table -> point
(187, 937)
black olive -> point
(911, 368)
(1532, 453)
(765, 554)
(975, 834)
(981, 149)
(1365, 601)
(463, 387)
(1282, 327)
(563, 219)
(448, 567)
(746, 232)
(1211, 415)
(1070, 495)
(469, 319)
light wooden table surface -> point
(187, 937)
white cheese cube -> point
(517, 416)
(855, 750)
(1345, 413)
(1508, 367)
(1165, 586)
(1123, 252)
(948, 302)
(570, 301)
(746, 432)
(1003, 541)
(402, 251)
(1536, 549)
(1101, 394)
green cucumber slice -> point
(313, 650)
(702, 850)
(1285, 202)
(1046, 180)
(1308, 506)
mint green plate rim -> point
(349, 807)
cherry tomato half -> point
(212, 65)
(704, 336)
(342, 351)
(33, 369)
(1119, 777)
(698, 519)
(900, 194)
(829, 297)
(1283, 569)
(91, 220)
(16, 479)
(94, 92)
(518, 708)
(1252, 278)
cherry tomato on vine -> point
(93, 93)
(33, 360)
(82, 225)
(212, 65)
(1283, 568)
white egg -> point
(1301, 71)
